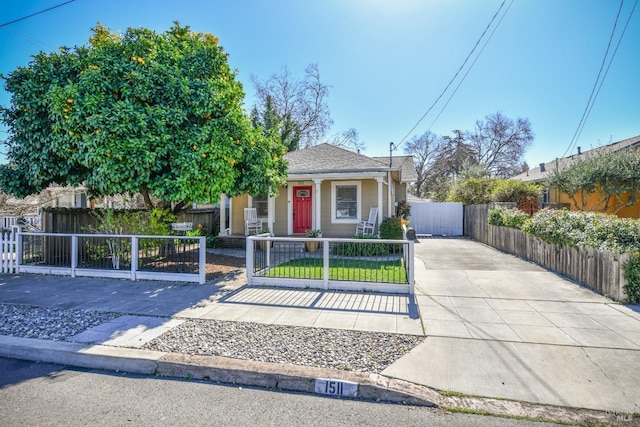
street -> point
(47, 394)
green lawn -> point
(339, 269)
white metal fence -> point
(331, 263)
(9, 221)
(8, 247)
(171, 258)
(437, 218)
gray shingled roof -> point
(327, 158)
(536, 174)
(405, 164)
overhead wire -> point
(471, 66)
(610, 62)
(454, 76)
(591, 99)
(37, 13)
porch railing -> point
(171, 258)
(331, 263)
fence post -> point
(74, 254)
(411, 265)
(325, 263)
(18, 237)
(203, 260)
(249, 257)
(134, 256)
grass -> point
(342, 269)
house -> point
(553, 196)
(328, 188)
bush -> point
(505, 217)
(357, 249)
(391, 228)
(513, 190)
(474, 191)
(632, 274)
(587, 229)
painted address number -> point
(336, 387)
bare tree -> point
(500, 143)
(426, 150)
(349, 139)
(301, 106)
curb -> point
(374, 387)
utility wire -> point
(34, 14)
(453, 78)
(574, 139)
(471, 66)
(610, 62)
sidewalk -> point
(495, 326)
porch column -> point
(381, 212)
(390, 198)
(318, 198)
(271, 208)
(223, 211)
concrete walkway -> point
(496, 326)
(502, 327)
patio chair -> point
(251, 222)
(370, 224)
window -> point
(345, 201)
(261, 203)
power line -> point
(454, 77)
(471, 66)
(574, 139)
(34, 14)
(610, 62)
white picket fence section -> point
(437, 218)
(8, 245)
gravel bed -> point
(328, 348)
(48, 323)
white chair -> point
(251, 221)
(370, 224)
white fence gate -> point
(8, 251)
(437, 218)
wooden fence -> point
(64, 220)
(597, 270)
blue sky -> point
(386, 61)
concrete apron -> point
(506, 328)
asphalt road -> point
(53, 395)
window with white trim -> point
(345, 201)
(261, 203)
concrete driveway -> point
(502, 327)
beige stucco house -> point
(328, 188)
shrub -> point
(513, 190)
(391, 228)
(513, 218)
(632, 274)
(357, 249)
(473, 191)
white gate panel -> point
(437, 218)
(8, 251)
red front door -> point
(302, 209)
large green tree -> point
(159, 114)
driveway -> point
(502, 327)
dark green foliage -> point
(505, 217)
(357, 249)
(391, 228)
(632, 274)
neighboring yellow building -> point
(591, 201)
